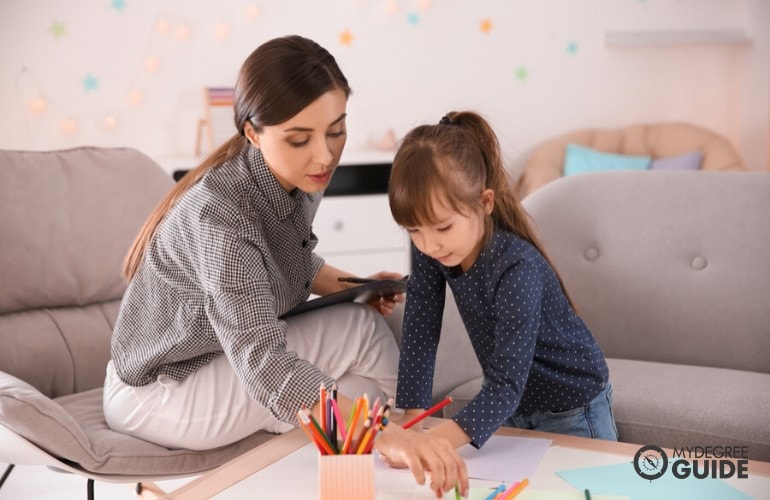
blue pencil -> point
(497, 491)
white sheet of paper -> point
(505, 458)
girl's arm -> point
(448, 429)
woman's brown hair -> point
(279, 79)
(454, 161)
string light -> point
(165, 25)
(251, 12)
(110, 123)
(162, 27)
(222, 31)
(135, 98)
(68, 127)
(183, 32)
(151, 64)
(37, 105)
(424, 5)
(392, 7)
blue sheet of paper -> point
(622, 479)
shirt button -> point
(304, 243)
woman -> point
(200, 358)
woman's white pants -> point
(351, 343)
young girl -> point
(542, 367)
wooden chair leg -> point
(150, 491)
(7, 473)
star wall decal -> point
(58, 29)
(572, 48)
(346, 38)
(521, 73)
(90, 82)
(486, 26)
(118, 5)
(413, 18)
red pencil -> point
(428, 412)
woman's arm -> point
(326, 282)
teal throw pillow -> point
(580, 159)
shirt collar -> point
(283, 201)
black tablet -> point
(361, 294)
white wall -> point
(409, 62)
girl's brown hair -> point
(279, 79)
(454, 161)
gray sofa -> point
(671, 271)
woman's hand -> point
(385, 305)
(427, 456)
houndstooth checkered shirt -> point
(233, 254)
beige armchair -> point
(658, 140)
(68, 218)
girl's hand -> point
(385, 305)
(426, 456)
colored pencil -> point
(351, 429)
(321, 439)
(514, 490)
(322, 407)
(338, 416)
(428, 412)
(497, 491)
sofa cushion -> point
(687, 161)
(73, 429)
(665, 266)
(679, 405)
(580, 160)
(72, 215)
(74, 343)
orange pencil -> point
(514, 490)
(365, 441)
(351, 430)
(321, 440)
(322, 406)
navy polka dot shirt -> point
(535, 352)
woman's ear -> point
(488, 201)
(251, 134)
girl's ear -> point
(251, 134)
(488, 201)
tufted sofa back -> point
(67, 219)
(658, 140)
(665, 266)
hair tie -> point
(445, 120)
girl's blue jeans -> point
(592, 420)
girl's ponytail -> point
(508, 213)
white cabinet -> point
(357, 234)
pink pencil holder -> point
(346, 477)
